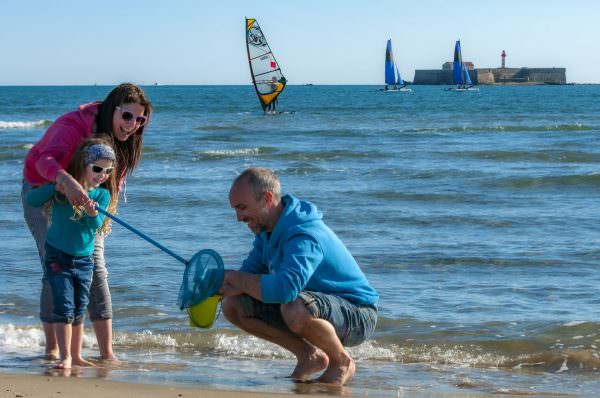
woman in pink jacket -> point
(121, 119)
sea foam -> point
(29, 338)
(13, 337)
(24, 125)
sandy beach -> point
(48, 386)
(40, 386)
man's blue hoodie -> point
(302, 253)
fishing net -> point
(202, 278)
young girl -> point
(68, 263)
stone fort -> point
(500, 75)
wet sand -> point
(44, 386)
(38, 386)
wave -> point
(219, 128)
(207, 155)
(586, 180)
(516, 354)
(218, 154)
(540, 156)
(14, 151)
(302, 169)
(427, 258)
(275, 154)
(425, 197)
(328, 155)
(506, 128)
(221, 137)
(172, 203)
(151, 181)
(24, 125)
(456, 220)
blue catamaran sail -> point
(392, 73)
(467, 78)
(398, 78)
(457, 66)
(390, 67)
(460, 73)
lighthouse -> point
(503, 59)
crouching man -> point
(300, 287)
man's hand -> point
(229, 290)
(236, 283)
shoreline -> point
(46, 386)
(28, 385)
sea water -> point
(473, 214)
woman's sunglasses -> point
(99, 169)
(127, 116)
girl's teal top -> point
(73, 237)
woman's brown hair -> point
(128, 152)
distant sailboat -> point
(393, 81)
(460, 73)
(266, 74)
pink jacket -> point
(54, 151)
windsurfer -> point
(266, 74)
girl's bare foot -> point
(64, 364)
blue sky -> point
(320, 42)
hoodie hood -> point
(53, 152)
(296, 216)
(88, 113)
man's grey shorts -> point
(353, 323)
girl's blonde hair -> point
(77, 170)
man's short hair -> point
(261, 180)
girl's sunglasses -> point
(99, 169)
(127, 116)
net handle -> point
(142, 235)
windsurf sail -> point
(268, 80)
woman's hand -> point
(60, 188)
(74, 192)
(90, 208)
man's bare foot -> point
(339, 374)
(313, 363)
(64, 364)
(321, 389)
(82, 362)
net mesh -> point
(202, 278)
